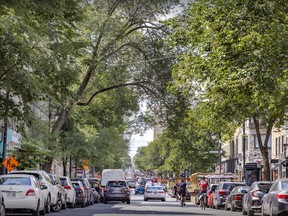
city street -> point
(139, 207)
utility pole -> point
(219, 153)
(244, 149)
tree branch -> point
(140, 83)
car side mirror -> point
(43, 187)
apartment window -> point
(279, 144)
(276, 145)
(263, 136)
(236, 147)
(282, 146)
(246, 143)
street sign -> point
(10, 163)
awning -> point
(223, 176)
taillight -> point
(282, 196)
(222, 192)
(30, 192)
(68, 187)
(238, 198)
(254, 193)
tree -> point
(120, 36)
(36, 54)
(237, 52)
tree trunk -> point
(264, 148)
(64, 163)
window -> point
(236, 147)
(276, 145)
(282, 146)
(263, 136)
(246, 143)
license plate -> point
(11, 194)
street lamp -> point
(219, 151)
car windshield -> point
(63, 181)
(284, 185)
(264, 187)
(154, 188)
(15, 181)
(226, 185)
(116, 184)
(75, 185)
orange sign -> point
(10, 163)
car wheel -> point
(163, 200)
(57, 207)
(2, 210)
(48, 205)
(217, 206)
(36, 212)
(83, 205)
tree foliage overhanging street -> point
(93, 62)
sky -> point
(138, 140)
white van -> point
(111, 174)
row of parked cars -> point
(38, 192)
(267, 198)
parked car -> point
(95, 183)
(234, 199)
(117, 191)
(44, 180)
(275, 202)
(88, 188)
(131, 183)
(155, 193)
(140, 189)
(252, 201)
(222, 191)
(210, 194)
(81, 193)
(70, 191)
(21, 193)
(61, 193)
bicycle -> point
(203, 200)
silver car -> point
(275, 202)
(252, 201)
(155, 193)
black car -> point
(234, 199)
(88, 189)
(222, 191)
(117, 191)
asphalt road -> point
(139, 207)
